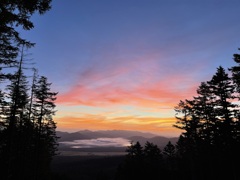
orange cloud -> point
(162, 126)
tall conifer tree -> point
(43, 110)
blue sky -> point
(125, 64)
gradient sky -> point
(125, 64)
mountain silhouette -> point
(132, 136)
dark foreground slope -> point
(85, 167)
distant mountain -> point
(140, 139)
(86, 134)
(65, 136)
(127, 134)
(94, 134)
(133, 136)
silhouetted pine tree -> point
(43, 110)
(223, 88)
(236, 121)
(27, 129)
(152, 152)
(142, 163)
(20, 135)
(169, 150)
(209, 122)
(236, 79)
(15, 14)
(15, 120)
(236, 71)
(153, 161)
(132, 167)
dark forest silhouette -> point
(27, 131)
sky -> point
(125, 64)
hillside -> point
(118, 139)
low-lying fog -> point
(98, 142)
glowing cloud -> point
(130, 84)
(162, 126)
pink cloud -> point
(166, 93)
(146, 81)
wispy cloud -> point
(137, 79)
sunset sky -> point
(125, 64)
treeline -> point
(148, 162)
(27, 131)
(209, 145)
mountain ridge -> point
(132, 136)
